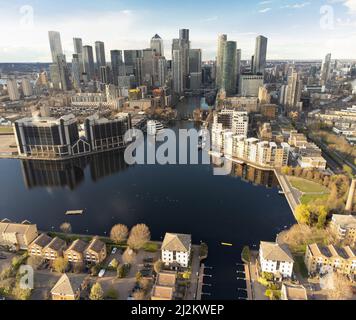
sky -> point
(296, 29)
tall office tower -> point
(88, 62)
(157, 45)
(12, 89)
(60, 74)
(326, 69)
(116, 65)
(27, 88)
(228, 81)
(131, 61)
(104, 73)
(55, 44)
(259, 63)
(294, 90)
(76, 71)
(220, 58)
(177, 71)
(252, 63)
(147, 73)
(238, 65)
(195, 67)
(100, 54)
(184, 47)
(78, 50)
(162, 71)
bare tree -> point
(341, 288)
(119, 233)
(129, 256)
(139, 236)
(66, 227)
(139, 295)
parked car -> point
(148, 260)
(113, 251)
(101, 273)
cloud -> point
(265, 2)
(265, 10)
(296, 5)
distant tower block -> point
(350, 197)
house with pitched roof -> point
(96, 251)
(36, 247)
(176, 249)
(68, 287)
(75, 252)
(18, 235)
(54, 249)
(276, 259)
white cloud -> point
(265, 10)
(296, 5)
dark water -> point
(242, 208)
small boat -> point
(74, 212)
(226, 244)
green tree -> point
(112, 294)
(96, 292)
(157, 266)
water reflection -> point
(70, 173)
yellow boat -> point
(226, 244)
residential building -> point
(17, 235)
(220, 59)
(294, 90)
(54, 249)
(263, 95)
(116, 65)
(325, 70)
(96, 251)
(36, 247)
(296, 139)
(27, 88)
(276, 259)
(68, 287)
(12, 89)
(55, 44)
(88, 62)
(228, 80)
(100, 54)
(259, 61)
(293, 292)
(176, 249)
(322, 259)
(75, 252)
(344, 227)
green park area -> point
(6, 129)
(310, 190)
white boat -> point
(154, 127)
(74, 212)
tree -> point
(112, 294)
(302, 214)
(347, 169)
(157, 266)
(341, 288)
(34, 261)
(139, 236)
(298, 171)
(96, 292)
(119, 233)
(66, 227)
(145, 284)
(128, 256)
(21, 294)
(139, 295)
(60, 264)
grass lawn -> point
(307, 186)
(5, 129)
(307, 198)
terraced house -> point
(318, 259)
(344, 227)
(54, 249)
(96, 251)
(17, 235)
(75, 252)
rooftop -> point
(275, 252)
(177, 242)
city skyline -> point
(134, 23)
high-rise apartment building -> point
(12, 89)
(259, 62)
(55, 44)
(88, 62)
(220, 58)
(117, 65)
(76, 71)
(27, 88)
(228, 82)
(326, 70)
(294, 89)
(100, 54)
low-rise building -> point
(165, 286)
(75, 252)
(68, 287)
(293, 292)
(176, 249)
(320, 259)
(96, 251)
(37, 246)
(54, 249)
(344, 227)
(276, 259)
(18, 235)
